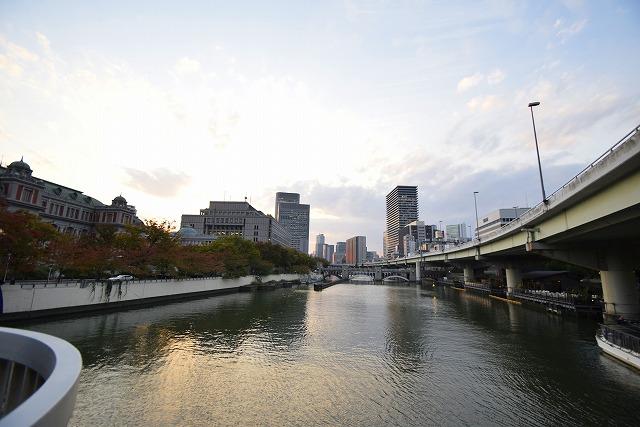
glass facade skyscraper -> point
(295, 218)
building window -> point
(27, 194)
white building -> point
(237, 218)
(497, 219)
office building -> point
(237, 218)
(295, 218)
(356, 250)
(328, 252)
(418, 232)
(385, 254)
(457, 232)
(319, 251)
(497, 219)
(68, 210)
(402, 208)
(339, 257)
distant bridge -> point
(376, 273)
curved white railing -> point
(38, 379)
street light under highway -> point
(535, 136)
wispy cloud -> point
(564, 32)
(186, 66)
(496, 77)
(468, 82)
(484, 103)
(159, 182)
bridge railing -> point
(557, 195)
(543, 206)
(38, 378)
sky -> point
(174, 104)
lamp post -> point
(475, 202)
(535, 136)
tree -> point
(23, 243)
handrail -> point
(39, 357)
(533, 211)
(620, 338)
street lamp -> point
(535, 136)
(475, 202)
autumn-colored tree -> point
(23, 243)
(34, 248)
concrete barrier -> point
(25, 300)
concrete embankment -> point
(27, 300)
(325, 285)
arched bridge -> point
(376, 273)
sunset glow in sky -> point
(176, 104)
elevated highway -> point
(592, 221)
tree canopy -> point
(30, 248)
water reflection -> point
(353, 354)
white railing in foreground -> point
(38, 379)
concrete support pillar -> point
(619, 289)
(418, 276)
(469, 274)
(514, 279)
(412, 275)
(377, 274)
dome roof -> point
(20, 165)
(188, 231)
(119, 201)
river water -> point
(353, 354)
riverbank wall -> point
(37, 299)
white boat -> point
(620, 342)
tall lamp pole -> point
(535, 136)
(475, 202)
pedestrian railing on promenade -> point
(562, 299)
(38, 378)
(622, 336)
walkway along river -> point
(353, 354)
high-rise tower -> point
(402, 208)
(295, 218)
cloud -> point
(44, 43)
(9, 66)
(484, 103)
(495, 77)
(160, 182)
(186, 66)
(565, 33)
(468, 82)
